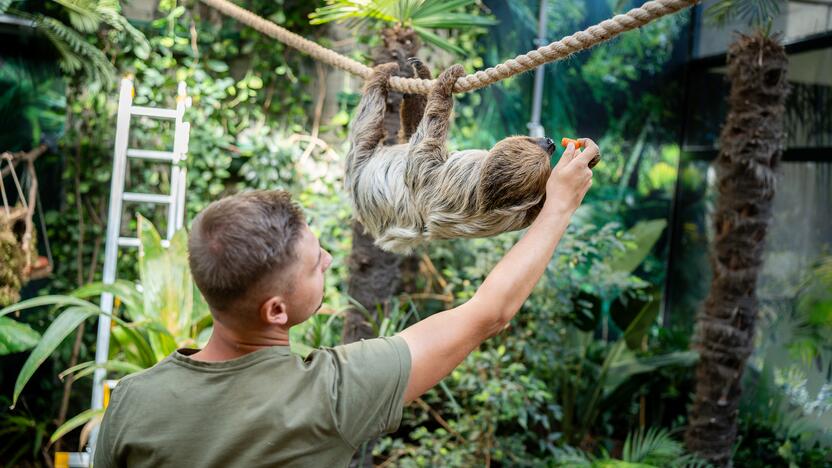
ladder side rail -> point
(180, 148)
(113, 230)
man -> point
(246, 400)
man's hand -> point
(571, 178)
(440, 342)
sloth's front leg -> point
(367, 128)
(427, 146)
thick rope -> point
(558, 50)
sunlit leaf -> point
(62, 326)
(76, 421)
(16, 337)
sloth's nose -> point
(547, 144)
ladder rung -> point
(151, 154)
(134, 242)
(153, 112)
(146, 197)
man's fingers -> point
(589, 153)
(568, 154)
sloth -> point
(416, 191)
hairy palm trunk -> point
(375, 274)
(750, 146)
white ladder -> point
(175, 201)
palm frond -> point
(76, 53)
(4, 5)
(349, 10)
(438, 41)
(453, 21)
(435, 7)
(655, 446)
(754, 12)
(83, 14)
(432, 14)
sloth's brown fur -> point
(407, 194)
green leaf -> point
(16, 337)
(438, 7)
(644, 235)
(83, 14)
(63, 325)
(162, 344)
(166, 280)
(51, 300)
(454, 21)
(86, 368)
(654, 446)
(76, 421)
(440, 42)
(134, 345)
(125, 291)
(638, 328)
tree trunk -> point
(750, 147)
(375, 274)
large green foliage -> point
(423, 16)
(162, 312)
(85, 18)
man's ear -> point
(274, 311)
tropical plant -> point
(32, 104)
(587, 388)
(77, 54)
(152, 318)
(786, 412)
(22, 435)
(750, 146)
(420, 16)
(642, 449)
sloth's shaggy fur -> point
(407, 194)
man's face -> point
(307, 292)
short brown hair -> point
(237, 241)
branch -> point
(15, 158)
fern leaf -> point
(83, 14)
(655, 446)
(4, 5)
(76, 53)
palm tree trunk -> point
(375, 274)
(750, 147)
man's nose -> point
(547, 144)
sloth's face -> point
(525, 147)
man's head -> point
(256, 262)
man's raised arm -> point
(440, 342)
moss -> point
(12, 260)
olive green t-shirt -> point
(267, 408)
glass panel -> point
(808, 117)
(797, 21)
(800, 233)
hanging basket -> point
(12, 256)
(19, 259)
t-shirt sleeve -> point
(371, 378)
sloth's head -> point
(515, 171)
(524, 148)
